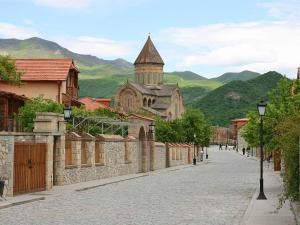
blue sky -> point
(207, 37)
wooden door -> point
(29, 167)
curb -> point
(22, 202)
(249, 208)
(113, 182)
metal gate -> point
(29, 167)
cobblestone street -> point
(215, 192)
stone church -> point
(148, 93)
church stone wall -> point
(149, 74)
(128, 99)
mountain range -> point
(100, 77)
(222, 98)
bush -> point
(28, 111)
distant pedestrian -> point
(220, 147)
(244, 150)
(226, 147)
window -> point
(83, 153)
(68, 153)
(99, 153)
(127, 152)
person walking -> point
(220, 147)
(226, 147)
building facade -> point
(148, 93)
(55, 79)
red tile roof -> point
(92, 103)
(45, 69)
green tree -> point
(8, 70)
(183, 130)
(281, 131)
(194, 122)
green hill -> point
(235, 99)
(228, 77)
(99, 77)
(187, 75)
(38, 47)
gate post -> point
(7, 162)
(47, 126)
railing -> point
(10, 123)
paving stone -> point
(215, 192)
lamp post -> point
(194, 159)
(261, 107)
(67, 112)
(152, 130)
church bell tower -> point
(149, 65)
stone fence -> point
(49, 156)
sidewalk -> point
(82, 186)
(264, 212)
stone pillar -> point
(7, 162)
(76, 153)
(59, 160)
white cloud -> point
(101, 47)
(77, 4)
(11, 31)
(288, 9)
(259, 46)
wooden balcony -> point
(72, 92)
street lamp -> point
(67, 112)
(194, 159)
(152, 130)
(261, 107)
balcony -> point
(72, 92)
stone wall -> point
(159, 156)
(7, 161)
(180, 154)
(114, 160)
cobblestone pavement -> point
(216, 192)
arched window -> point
(149, 102)
(145, 102)
(153, 101)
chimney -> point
(298, 74)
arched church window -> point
(153, 101)
(145, 102)
(149, 102)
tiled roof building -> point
(148, 92)
(55, 79)
(95, 103)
